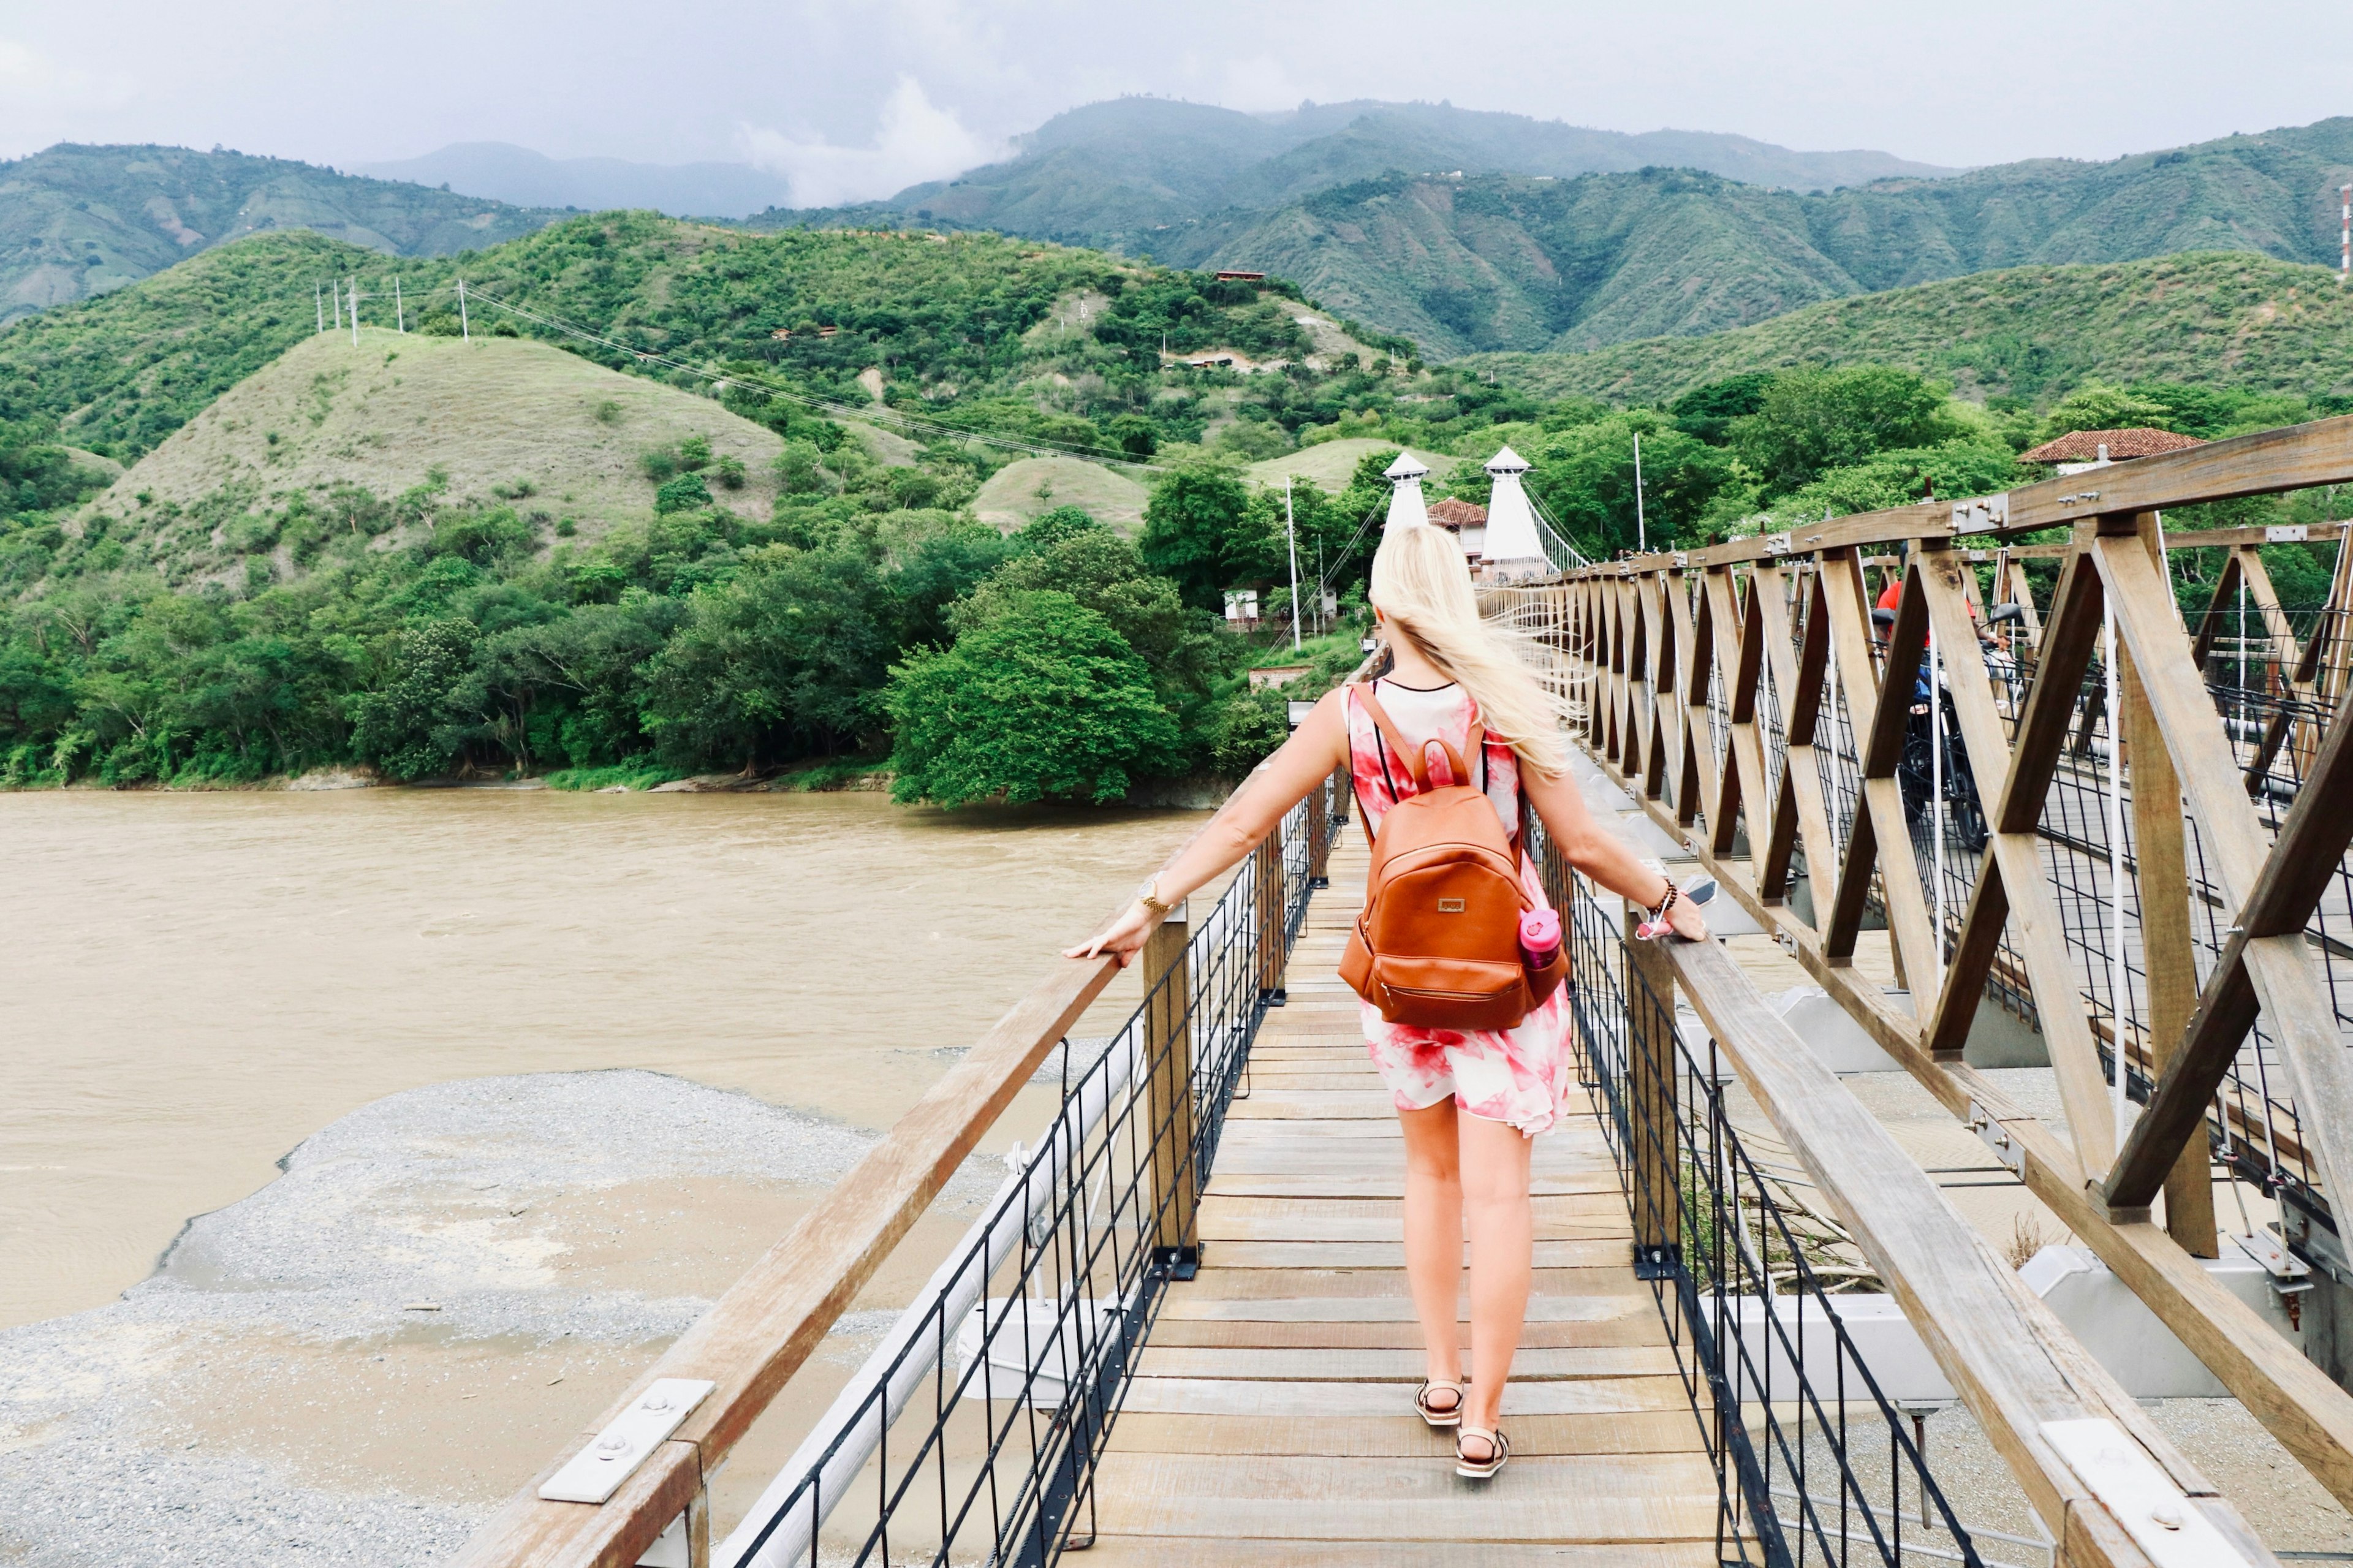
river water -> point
(195, 983)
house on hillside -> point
(1467, 520)
(2081, 449)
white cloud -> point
(916, 140)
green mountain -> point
(1122, 174)
(942, 328)
(1501, 262)
(2222, 320)
(77, 221)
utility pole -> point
(319, 304)
(355, 311)
(2344, 265)
(1291, 533)
(465, 330)
(335, 293)
(399, 316)
(1641, 529)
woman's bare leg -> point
(1433, 1235)
(1495, 1186)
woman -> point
(1468, 1102)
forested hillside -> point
(1499, 262)
(77, 221)
(2234, 319)
(726, 501)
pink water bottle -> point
(1539, 937)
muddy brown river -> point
(196, 982)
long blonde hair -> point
(1421, 586)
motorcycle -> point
(1916, 771)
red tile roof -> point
(1458, 514)
(2083, 446)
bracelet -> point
(1666, 902)
(1148, 896)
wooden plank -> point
(1403, 1435)
(2287, 984)
(2161, 876)
(1590, 1498)
(2016, 893)
(1227, 1397)
(2312, 843)
(1248, 1217)
(1261, 1284)
(2296, 457)
(1192, 1551)
(1342, 1364)
(1638, 1324)
(1398, 1309)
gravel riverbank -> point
(355, 1364)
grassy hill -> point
(478, 423)
(77, 221)
(939, 327)
(1499, 263)
(1032, 485)
(2231, 320)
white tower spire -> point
(1407, 508)
(1513, 548)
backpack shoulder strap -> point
(1407, 752)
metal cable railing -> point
(972, 1432)
(1813, 1461)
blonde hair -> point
(1421, 586)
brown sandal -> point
(1431, 1415)
(1499, 1450)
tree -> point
(787, 656)
(1706, 413)
(1189, 528)
(1810, 421)
(406, 725)
(1040, 701)
(685, 493)
(1584, 478)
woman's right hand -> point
(1685, 921)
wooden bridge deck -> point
(1271, 1420)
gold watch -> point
(1148, 896)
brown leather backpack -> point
(1437, 943)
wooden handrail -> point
(2006, 1353)
(1633, 665)
(759, 1333)
(767, 1325)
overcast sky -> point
(858, 99)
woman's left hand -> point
(1123, 939)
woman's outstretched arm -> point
(1601, 854)
(1318, 746)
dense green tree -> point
(1584, 478)
(409, 723)
(1196, 532)
(1041, 699)
(1810, 421)
(783, 658)
(1707, 412)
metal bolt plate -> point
(597, 1472)
(2161, 1518)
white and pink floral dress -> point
(1519, 1076)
